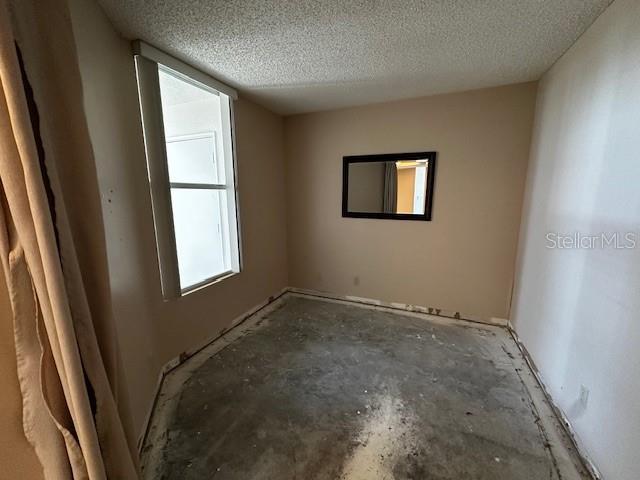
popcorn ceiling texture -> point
(298, 56)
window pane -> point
(192, 128)
(202, 242)
(192, 160)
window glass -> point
(192, 123)
(192, 159)
(201, 236)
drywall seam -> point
(438, 312)
(184, 356)
(559, 413)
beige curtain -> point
(390, 199)
(53, 253)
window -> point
(188, 121)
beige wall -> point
(464, 259)
(366, 187)
(151, 331)
(578, 311)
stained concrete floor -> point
(326, 390)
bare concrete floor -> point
(326, 390)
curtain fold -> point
(54, 255)
(390, 200)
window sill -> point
(208, 282)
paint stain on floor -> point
(324, 390)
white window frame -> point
(148, 61)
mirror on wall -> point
(391, 186)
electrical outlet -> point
(584, 396)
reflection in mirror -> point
(389, 186)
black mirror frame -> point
(348, 160)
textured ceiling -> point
(297, 56)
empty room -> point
(332, 240)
